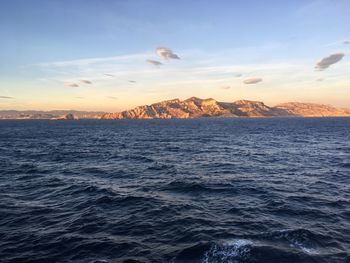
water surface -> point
(207, 190)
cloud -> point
(6, 97)
(154, 62)
(77, 97)
(327, 61)
(320, 79)
(94, 61)
(70, 84)
(85, 81)
(238, 75)
(225, 87)
(346, 42)
(109, 75)
(166, 53)
(252, 80)
(132, 81)
(112, 97)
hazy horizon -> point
(155, 102)
(115, 55)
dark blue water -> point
(209, 190)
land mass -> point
(191, 108)
(68, 117)
(49, 115)
(198, 108)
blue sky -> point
(48, 47)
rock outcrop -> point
(197, 108)
(312, 110)
(68, 117)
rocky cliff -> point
(68, 117)
(312, 110)
(197, 108)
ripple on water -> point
(180, 191)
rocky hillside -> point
(68, 117)
(197, 108)
(13, 114)
(312, 110)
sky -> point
(102, 54)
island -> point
(197, 108)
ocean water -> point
(207, 190)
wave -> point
(232, 251)
(194, 191)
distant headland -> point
(191, 108)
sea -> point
(239, 190)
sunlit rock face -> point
(246, 108)
(197, 108)
(190, 108)
(68, 117)
(312, 110)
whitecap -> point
(303, 247)
(298, 240)
(229, 252)
(100, 261)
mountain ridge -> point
(192, 107)
(47, 115)
(197, 108)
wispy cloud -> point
(154, 62)
(90, 61)
(252, 80)
(328, 61)
(199, 64)
(112, 97)
(6, 97)
(166, 53)
(109, 75)
(70, 84)
(225, 87)
(200, 69)
(337, 43)
(85, 81)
